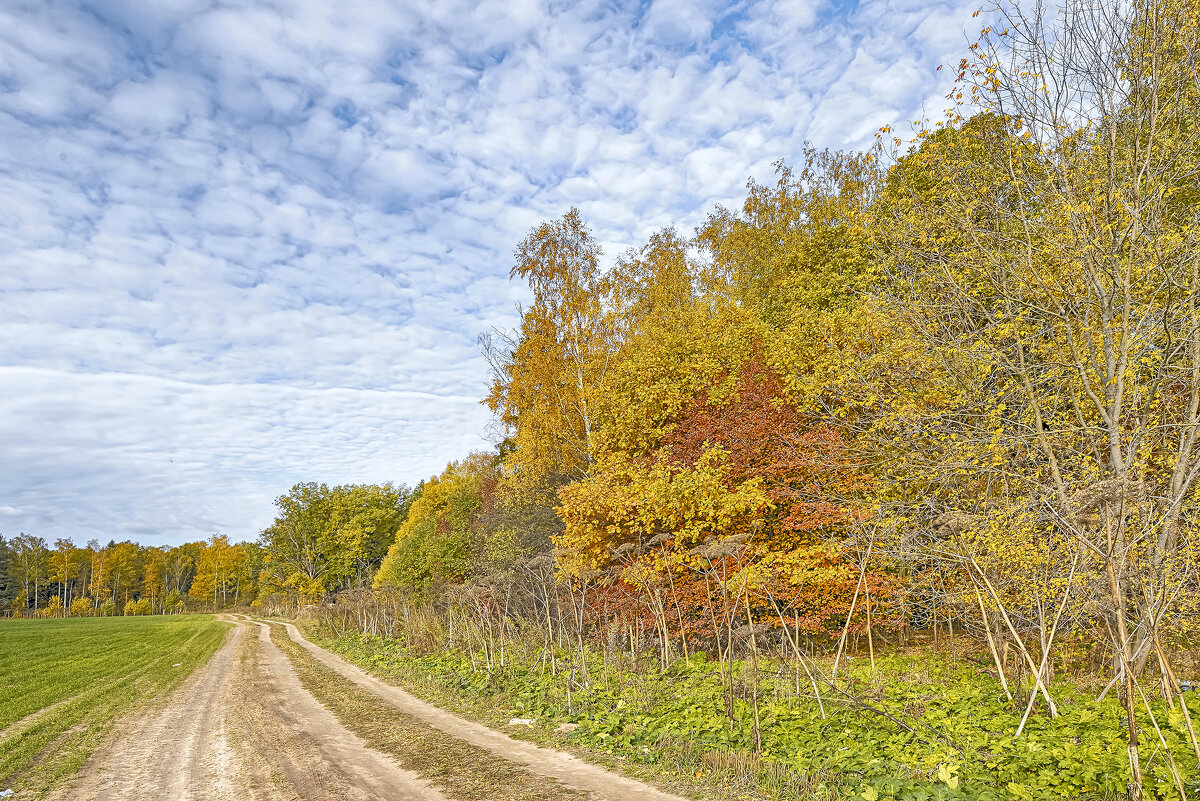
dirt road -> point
(568, 769)
(243, 727)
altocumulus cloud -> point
(248, 244)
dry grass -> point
(461, 770)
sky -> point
(249, 244)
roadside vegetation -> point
(64, 685)
(921, 724)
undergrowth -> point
(919, 728)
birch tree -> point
(549, 377)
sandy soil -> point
(242, 727)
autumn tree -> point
(117, 572)
(800, 244)
(89, 560)
(798, 263)
(548, 378)
(438, 540)
(65, 562)
(652, 283)
(742, 473)
(675, 339)
(29, 563)
(180, 566)
(217, 570)
(1046, 251)
(327, 539)
(154, 577)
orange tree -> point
(738, 513)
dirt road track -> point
(242, 727)
(566, 768)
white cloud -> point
(678, 22)
(164, 102)
(244, 245)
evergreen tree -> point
(7, 584)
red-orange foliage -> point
(802, 466)
(789, 554)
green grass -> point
(957, 741)
(64, 683)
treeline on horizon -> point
(949, 382)
(123, 578)
(325, 540)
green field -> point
(65, 683)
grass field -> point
(65, 683)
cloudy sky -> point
(244, 245)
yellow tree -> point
(549, 376)
(675, 340)
(658, 280)
(116, 572)
(218, 568)
(800, 244)
(29, 566)
(798, 262)
(1048, 253)
(65, 561)
(154, 576)
(180, 565)
(90, 560)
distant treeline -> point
(124, 578)
(325, 540)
